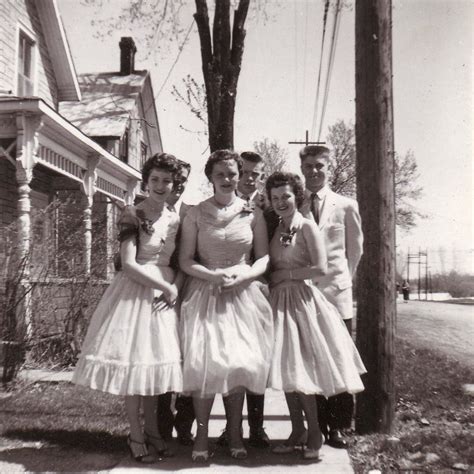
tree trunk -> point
(376, 311)
(221, 61)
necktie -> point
(315, 207)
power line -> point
(337, 17)
(295, 18)
(316, 103)
(180, 50)
(305, 50)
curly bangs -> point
(280, 178)
(163, 162)
(219, 156)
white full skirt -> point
(314, 353)
(226, 338)
(130, 349)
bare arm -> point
(128, 252)
(260, 248)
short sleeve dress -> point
(130, 347)
(314, 353)
(226, 335)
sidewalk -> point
(277, 425)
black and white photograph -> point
(236, 235)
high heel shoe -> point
(310, 454)
(238, 453)
(201, 456)
(289, 446)
(158, 445)
(139, 452)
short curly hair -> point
(219, 156)
(280, 178)
(161, 161)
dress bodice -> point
(156, 240)
(293, 255)
(224, 236)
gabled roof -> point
(58, 47)
(107, 101)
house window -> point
(26, 48)
(144, 153)
(124, 147)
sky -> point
(432, 73)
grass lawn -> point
(62, 414)
(433, 416)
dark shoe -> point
(336, 440)
(140, 453)
(185, 438)
(158, 445)
(259, 439)
(292, 444)
(223, 439)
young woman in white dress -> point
(132, 344)
(226, 320)
(313, 353)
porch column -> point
(28, 127)
(88, 188)
(131, 191)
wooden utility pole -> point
(376, 304)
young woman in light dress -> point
(313, 353)
(226, 320)
(132, 345)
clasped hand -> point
(231, 277)
(167, 299)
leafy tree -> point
(275, 157)
(341, 140)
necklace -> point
(222, 206)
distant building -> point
(79, 141)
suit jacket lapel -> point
(328, 208)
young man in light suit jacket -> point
(339, 221)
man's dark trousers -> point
(184, 419)
(255, 411)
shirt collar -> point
(322, 193)
(245, 197)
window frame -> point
(124, 146)
(24, 32)
(143, 152)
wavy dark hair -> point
(280, 178)
(219, 156)
(161, 161)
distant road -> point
(448, 328)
